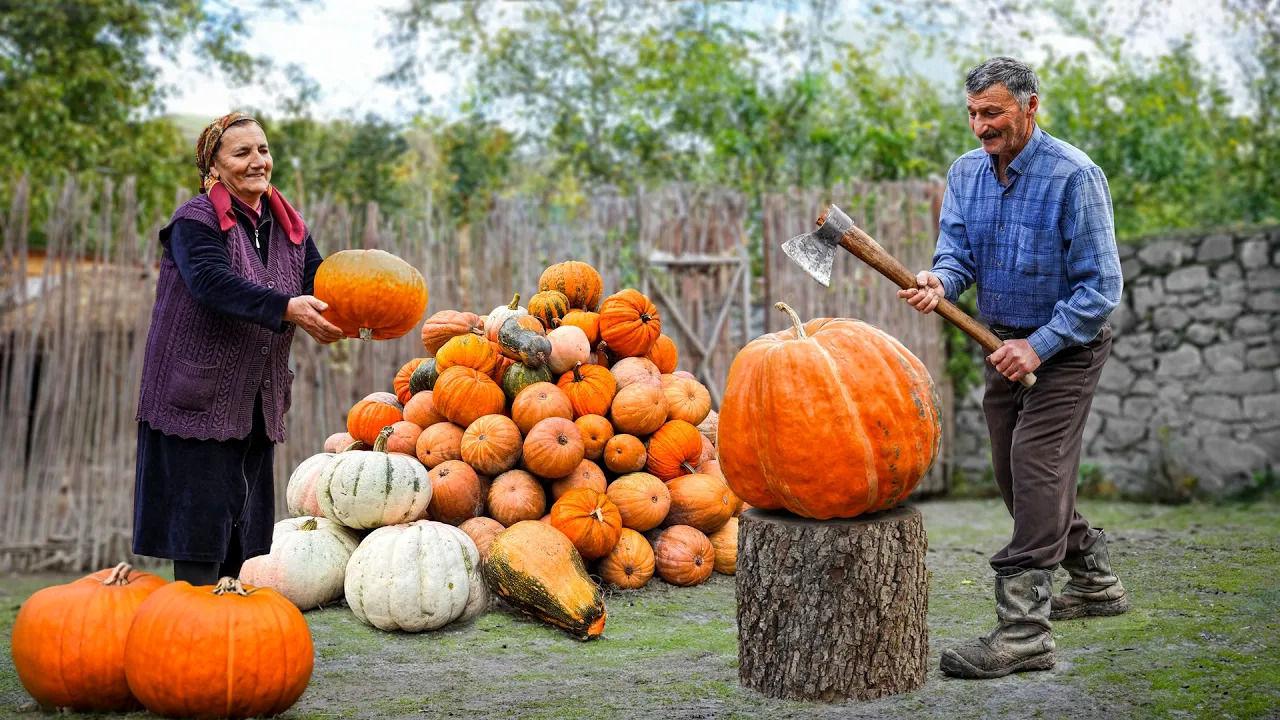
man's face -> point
(996, 120)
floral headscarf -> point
(209, 140)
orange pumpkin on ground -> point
(404, 438)
(445, 325)
(629, 323)
(367, 417)
(482, 531)
(643, 500)
(68, 641)
(701, 501)
(664, 354)
(624, 453)
(629, 565)
(687, 399)
(538, 402)
(400, 383)
(684, 556)
(638, 409)
(587, 475)
(464, 394)
(674, 450)
(590, 521)
(725, 542)
(491, 445)
(580, 283)
(421, 410)
(516, 495)
(470, 351)
(590, 389)
(372, 294)
(553, 448)
(587, 322)
(596, 431)
(880, 429)
(438, 443)
(457, 492)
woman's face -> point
(243, 162)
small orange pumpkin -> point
(590, 521)
(366, 418)
(687, 399)
(553, 448)
(664, 354)
(438, 443)
(701, 501)
(588, 322)
(674, 450)
(463, 394)
(470, 351)
(579, 282)
(403, 438)
(625, 453)
(421, 410)
(630, 564)
(457, 492)
(538, 402)
(482, 531)
(400, 384)
(372, 294)
(516, 495)
(725, 542)
(642, 499)
(587, 475)
(684, 556)
(491, 444)
(446, 325)
(638, 409)
(629, 323)
(590, 389)
(596, 431)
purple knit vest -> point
(203, 370)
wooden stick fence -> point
(74, 318)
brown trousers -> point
(1035, 450)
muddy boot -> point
(1021, 641)
(1093, 589)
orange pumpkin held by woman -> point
(372, 294)
(880, 428)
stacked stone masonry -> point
(1189, 402)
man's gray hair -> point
(1017, 76)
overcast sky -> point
(337, 42)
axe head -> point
(816, 251)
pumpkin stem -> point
(310, 524)
(353, 446)
(645, 317)
(577, 372)
(598, 515)
(366, 333)
(515, 303)
(795, 319)
(380, 445)
(229, 585)
(119, 575)
(687, 468)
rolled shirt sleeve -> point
(953, 259)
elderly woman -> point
(235, 280)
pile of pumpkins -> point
(536, 452)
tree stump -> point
(832, 610)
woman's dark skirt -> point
(204, 500)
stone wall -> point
(1189, 402)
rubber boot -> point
(1093, 590)
(1022, 640)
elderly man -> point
(1027, 218)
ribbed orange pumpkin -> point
(629, 323)
(725, 542)
(701, 501)
(400, 384)
(625, 453)
(642, 499)
(421, 410)
(463, 394)
(674, 450)
(438, 443)
(404, 438)
(639, 409)
(516, 495)
(687, 399)
(553, 448)
(684, 555)
(538, 402)
(68, 640)
(629, 565)
(580, 283)
(588, 322)
(590, 521)
(491, 445)
(457, 493)
(664, 354)
(245, 651)
(366, 418)
(590, 389)
(596, 431)
(587, 475)
(470, 351)
(447, 324)
(372, 294)
(482, 531)
(880, 428)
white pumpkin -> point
(300, 494)
(636, 369)
(307, 563)
(569, 346)
(493, 321)
(417, 576)
(370, 488)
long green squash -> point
(536, 570)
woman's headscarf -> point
(209, 140)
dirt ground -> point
(1203, 640)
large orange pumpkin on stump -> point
(68, 640)
(880, 427)
(372, 294)
(629, 323)
(589, 519)
(244, 651)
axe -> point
(815, 252)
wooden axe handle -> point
(872, 253)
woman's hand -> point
(927, 293)
(304, 311)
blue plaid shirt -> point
(1042, 249)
